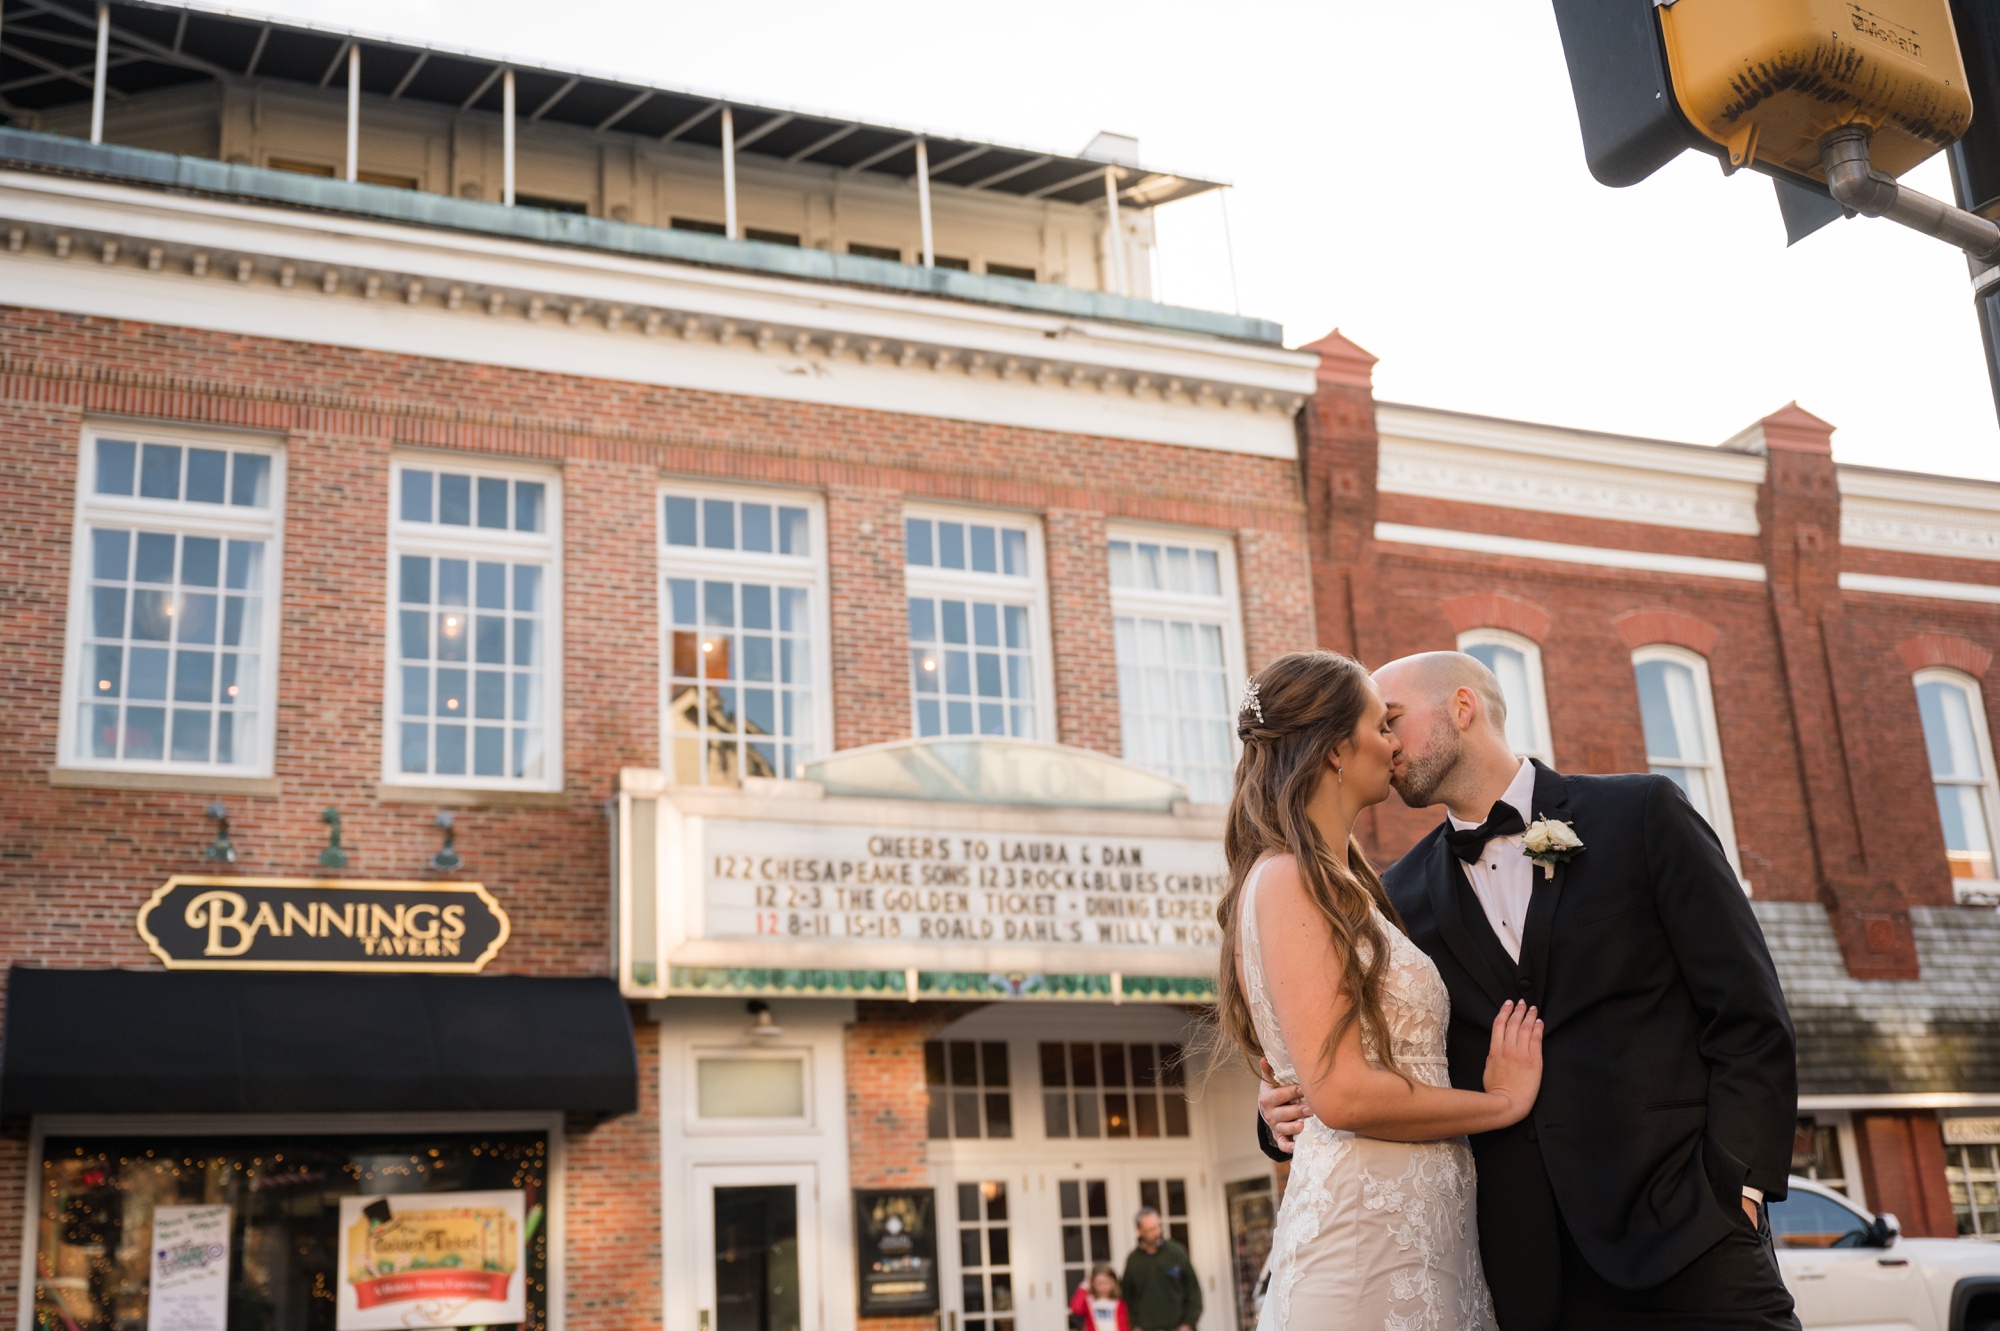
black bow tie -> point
(1505, 820)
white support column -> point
(1114, 236)
(924, 200)
(728, 173)
(97, 82)
(507, 137)
(354, 111)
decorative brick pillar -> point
(1086, 652)
(870, 616)
(1338, 454)
(1902, 1168)
(1798, 509)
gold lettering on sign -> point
(245, 922)
(207, 911)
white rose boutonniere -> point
(1549, 843)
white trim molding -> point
(1530, 467)
(1646, 561)
(1903, 1100)
(1985, 593)
(251, 270)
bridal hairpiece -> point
(1251, 703)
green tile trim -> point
(938, 985)
(758, 980)
(200, 175)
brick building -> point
(733, 615)
(1803, 644)
(665, 584)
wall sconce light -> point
(333, 857)
(220, 850)
(447, 858)
(765, 1026)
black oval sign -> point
(308, 924)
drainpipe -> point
(728, 173)
(97, 83)
(354, 111)
(507, 137)
(1114, 243)
(1843, 154)
(924, 201)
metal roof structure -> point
(47, 51)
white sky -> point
(1409, 173)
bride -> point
(1319, 983)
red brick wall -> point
(1086, 657)
(1902, 1170)
(612, 1227)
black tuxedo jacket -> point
(1668, 1079)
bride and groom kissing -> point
(1565, 972)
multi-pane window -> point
(1517, 663)
(1961, 760)
(1085, 1207)
(1972, 1174)
(1176, 628)
(741, 619)
(985, 1256)
(1816, 1152)
(1678, 714)
(974, 605)
(1113, 1090)
(173, 622)
(967, 1084)
(473, 680)
(1168, 1196)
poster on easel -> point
(436, 1259)
(190, 1286)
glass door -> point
(757, 1258)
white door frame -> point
(804, 1177)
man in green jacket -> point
(1161, 1290)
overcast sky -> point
(1409, 173)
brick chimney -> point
(1337, 457)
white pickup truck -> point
(1849, 1269)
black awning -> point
(151, 1042)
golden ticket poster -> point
(431, 1259)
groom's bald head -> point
(1433, 678)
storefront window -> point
(1973, 1172)
(279, 1201)
(1816, 1153)
(1113, 1090)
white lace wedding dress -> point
(1373, 1233)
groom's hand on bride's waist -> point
(1282, 1107)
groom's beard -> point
(1420, 778)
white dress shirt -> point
(1502, 877)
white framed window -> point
(979, 661)
(172, 642)
(1180, 642)
(475, 650)
(744, 665)
(1962, 773)
(1517, 662)
(1678, 712)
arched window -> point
(1517, 662)
(1681, 741)
(1961, 758)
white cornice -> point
(1605, 486)
(119, 252)
(1486, 543)
(1924, 515)
(1883, 584)
(1648, 458)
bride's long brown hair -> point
(1311, 704)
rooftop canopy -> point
(47, 62)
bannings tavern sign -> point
(309, 924)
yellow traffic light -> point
(1768, 79)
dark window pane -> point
(1082, 1066)
(1117, 1114)
(1086, 1114)
(208, 468)
(998, 1246)
(968, 1201)
(1177, 1114)
(975, 1294)
(160, 472)
(1144, 1071)
(1055, 1114)
(968, 1247)
(250, 487)
(964, 1063)
(1176, 1196)
(416, 496)
(680, 520)
(1178, 1231)
(984, 557)
(1072, 1236)
(1172, 1073)
(1100, 1243)
(993, 1062)
(1145, 1115)
(996, 1199)
(455, 499)
(965, 1113)
(529, 501)
(757, 534)
(718, 520)
(109, 552)
(1052, 1065)
(114, 466)
(1149, 1193)
(201, 561)
(493, 502)
(999, 1115)
(1113, 1058)
(794, 535)
(917, 541)
(951, 544)
(1003, 1291)
(933, 1063)
(1094, 1196)
(1070, 1195)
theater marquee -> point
(308, 924)
(844, 889)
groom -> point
(1632, 1196)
